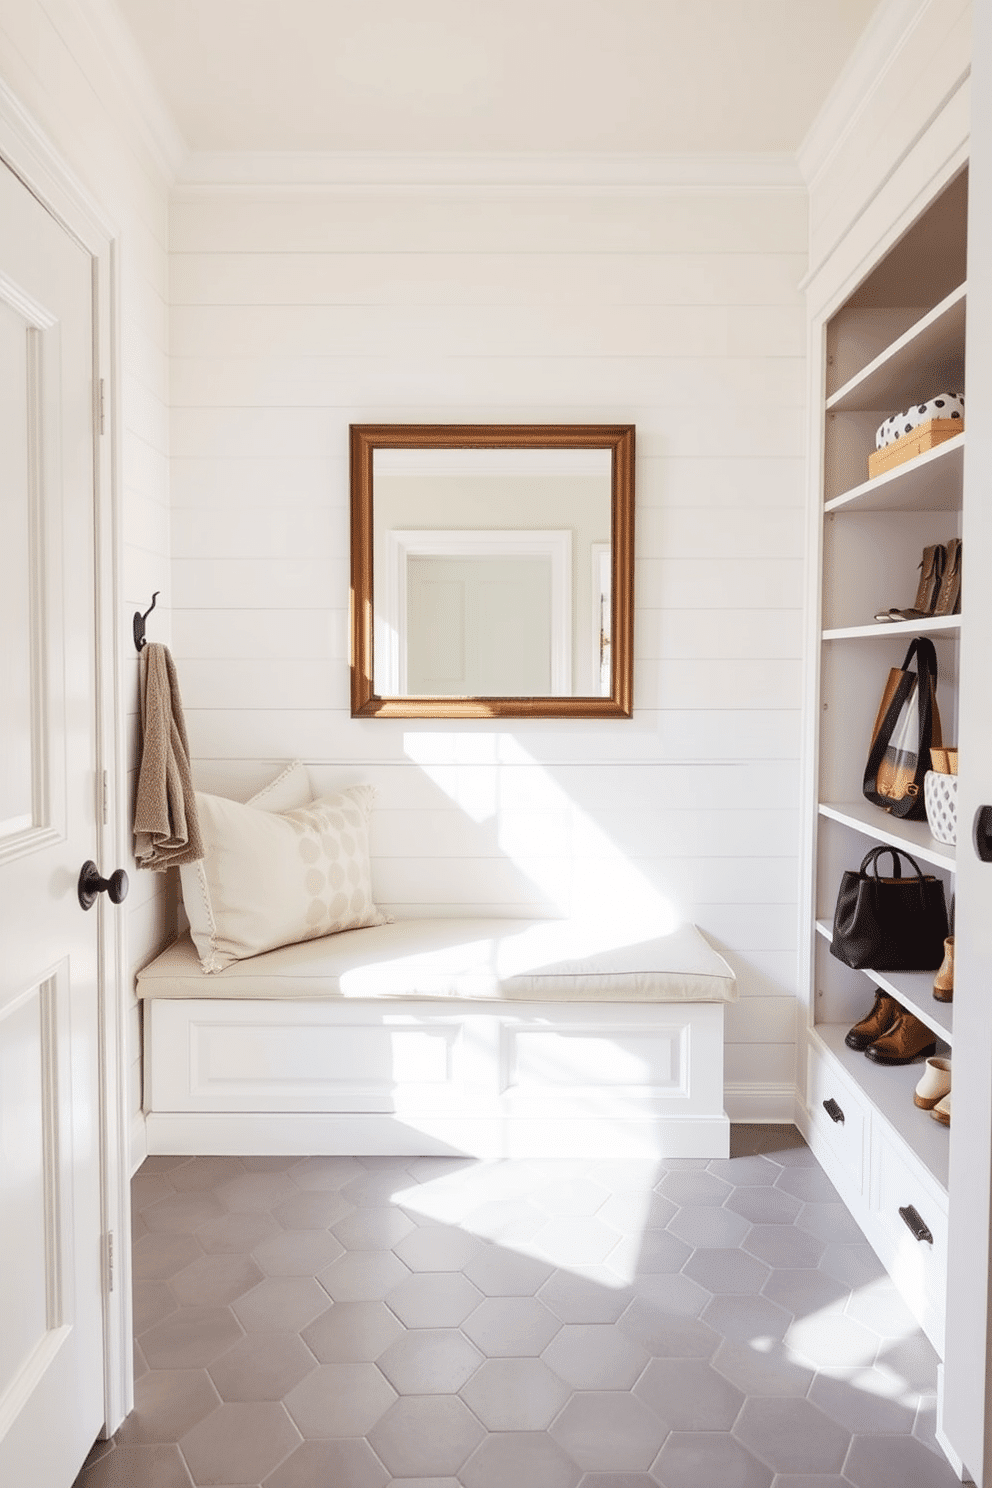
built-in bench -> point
(494, 1038)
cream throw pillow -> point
(290, 788)
(271, 878)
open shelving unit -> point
(896, 340)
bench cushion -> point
(494, 959)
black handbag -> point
(890, 924)
(907, 724)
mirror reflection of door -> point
(479, 627)
(476, 613)
(504, 505)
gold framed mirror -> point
(492, 570)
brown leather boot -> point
(943, 982)
(874, 1024)
(906, 1040)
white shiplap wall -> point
(298, 311)
(62, 65)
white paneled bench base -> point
(492, 1038)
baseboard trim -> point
(139, 1141)
(761, 1104)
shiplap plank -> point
(687, 532)
(759, 1064)
(694, 832)
(555, 831)
(699, 481)
(290, 583)
(298, 331)
(240, 484)
(688, 635)
(585, 790)
(470, 881)
(761, 1020)
(272, 531)
(407, 279)
(495, 220)
(222, 635)
(667, 433)
(718, 388)
(719, 683)
(721, 583)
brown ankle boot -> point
(874, 1024)
(943, 982)
(906, 1040)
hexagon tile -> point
(402, 1322)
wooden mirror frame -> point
(365, 440)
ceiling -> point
(630, 76)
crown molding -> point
(882, 40)
(320, 171)
(137, 91)
(29, 152)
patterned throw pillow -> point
(270, 878)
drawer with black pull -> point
(909, 1218)
(838, 1114)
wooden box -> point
(923, 437)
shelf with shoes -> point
(883, 540)
(912, 989)
(889, 1090)
(944, 626)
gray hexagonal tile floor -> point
(386, 1321)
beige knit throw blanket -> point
(166, 829)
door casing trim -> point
(27, 151)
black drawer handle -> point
(834, 1111)
(915, 1224)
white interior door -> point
(479, 627)
(51, 1263)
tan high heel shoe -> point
(932, 566)
(943, 982)
(948, 601)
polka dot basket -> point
(940, 793)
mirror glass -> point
(484, 572)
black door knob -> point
(90, 884)
(983, 833)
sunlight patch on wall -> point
(570, 858)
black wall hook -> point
(139, 623)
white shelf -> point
(872, 821)
(941, 627)
(913, 989)
(933, 347)
(889, 1088)
(931, 482)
